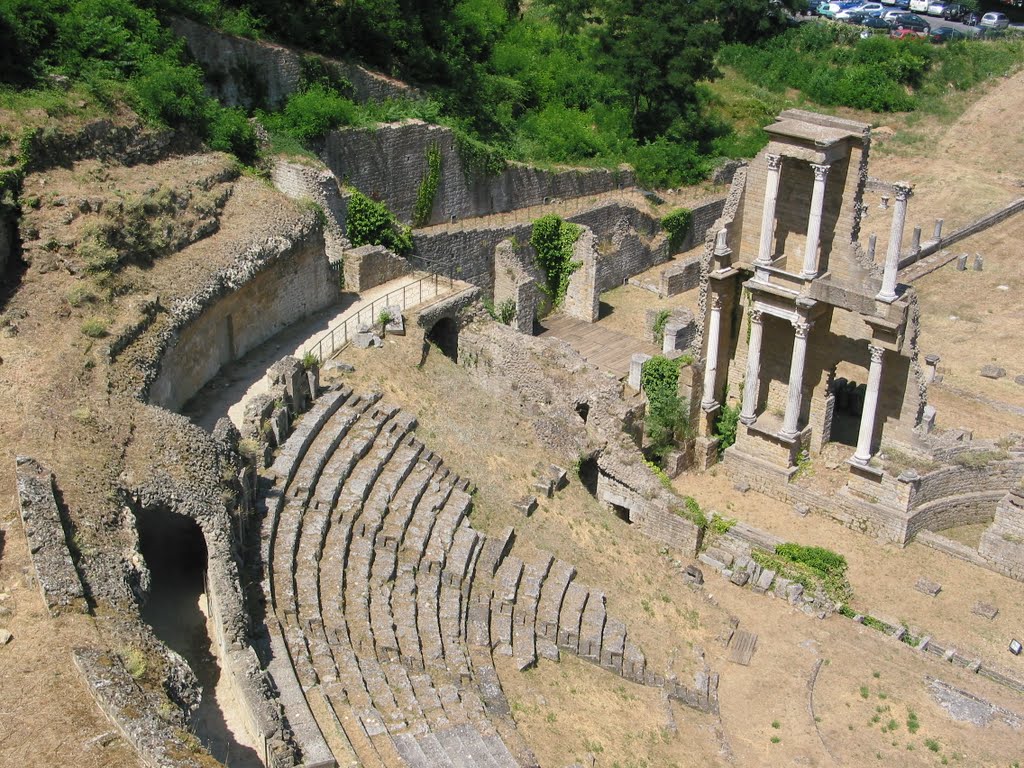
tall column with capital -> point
(708, 402)
(801, 329)
(814, 221)
(771, 193)
(748, 413)
(867, 419)
(892, 255)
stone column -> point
(708, 402)
(771, 192)
(892, 255)
(867, 418)
(801, 329)
(748, 413)
(814, 221)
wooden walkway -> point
(607, 349)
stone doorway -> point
(445, 335)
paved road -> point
(935, 22)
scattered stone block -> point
(929, 588)
(721, 555)
(693, 575)
(742, 647)
(5, 637)
(739, 578)
(925, 642)
(794, 592)
(979, 262)
(705, 558)
(339, 366)
(764, 581)
(992, 371)
(742, 486)
(802, 510)
(636, 365)
(366, 339)
(985, 609)
(526, 505)
(1019, 379)
(961, 262)
(544, 488)
(396, 325)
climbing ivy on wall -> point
(372, 223)
(553, 238)
(666, 412)
(428, 187)
(677, 224)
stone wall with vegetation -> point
(389, 162)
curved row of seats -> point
(387, 605)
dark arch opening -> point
(588, 475)
(620, 512)
(583, 411)
(175, 552)
(445, 335)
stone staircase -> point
(387, 606)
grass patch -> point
(95, 327)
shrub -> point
(667, 419)
(821, 560)
(310, 361)
(311, 113)
(726, 425)
(504, 312)
(230, 131)
(170, 93)
(372, 223)
(428, 187)
(677, 224)
(95, 327)
(658, 329)
(666, 163)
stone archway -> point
(445, 335)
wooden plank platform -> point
(741, 649)
(609, 350)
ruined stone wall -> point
(317, 185)
(371, 265)
(627, 241)
(1002, 545)
(583, 297)
(997, 476)
(517, 277)
(254, 73)
(295, 280)
(387, 162)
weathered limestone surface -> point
(55, 570)
(368, 266)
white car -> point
(994, 21)
(936, 8)
(919, 6)
(868, 9)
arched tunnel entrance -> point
(175, 552)
(445, 335)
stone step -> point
(427, 618)
(613, 643)
(571, 615)
(450, 619)
(474, 748)
(384, 703)
(506, 585)
(500, 752)
(405, 695)
(435, 753)
(634, 664)
(404, 503)
(307, 561)
(340, 463)
(418, 533)
(552, 596)
(592, 627)
(322, 448)
(380, 737)
(403, 607)
(449, 519)
(409, 748)
(452, 703)
(291, 453)
(289, 527)
(494, 550)
(350, 725)
(429, 701)
(457, 566)
(524, 630)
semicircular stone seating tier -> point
(387, 606)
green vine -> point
(677, 224)
(658, 330)
(666, 420)
(371, 223)
(553, 238)
(504, 312)
(478, 158)
(726, 425)
(428, 187)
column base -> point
(808, 275)
(859, 461)
(747, 420)
(710, 406)
(787, 434)
(888, 299)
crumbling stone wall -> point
(272, 285)
(1002, 545)
(517, 277)
(387, 162)
(371, 265)
(583, 297)
(318, 185)
(254, 73)
(56, 574)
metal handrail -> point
(340, 336)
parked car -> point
(864, 9)
(993, 21)
(893, 15)
(936, 8)
(910, 26)
(919, 6)
(945, 35)
(954, 12)
(834, 8)
(876, 23)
